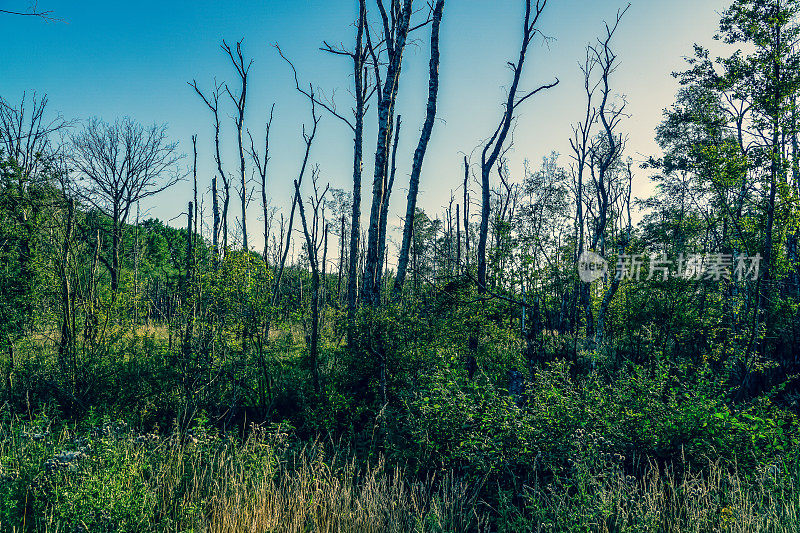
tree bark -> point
(240, 102)
(395, 42)
(385, 208)
(422, 145)
(215, 229)
(358, 151)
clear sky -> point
(111, 59)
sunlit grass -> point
(201, 481)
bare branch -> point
(330, 108)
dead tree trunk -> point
(215, 229)
(466, 214)
(603, 153)
(212, 103)
(313, 250)
(362, 94)
(240, 102)
(394, 36)
(580, 144)
(458, 242)
(341, 265)
(419, 154)
(309, 140)
(194, 182)
(261, 167)
(385, 207)
(494, 147)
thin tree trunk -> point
(66, 348)
(419, 154)
(312, 258)
(458, 242)
(341, 265)
(309, 140)
(385, 208)
(194, 181)
(226, 198)
(494, 146)
(466, 214)
(115, 245)
(358, 149)
(215, 231)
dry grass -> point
(315, 498)
(266, 487)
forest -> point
(549, 352)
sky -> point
(110, 60)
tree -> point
(314, 241)
(21, 201)
(604, 152)
(240, 101)
(494, 146)
(119, 165)
(733, 131)
(362, 92)
(261, 166)
(25, 133)
(419, 154)
(308, 139)
(395, 34)
(212, 102)
(771, 80)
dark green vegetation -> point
(163, 379)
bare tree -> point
(580, 143)
(240, 102)
(419, 154)
(494, 146)
(362, 92)
(216, 221)
(604, 152)
(25, 133)
(466, 214)
(261, 167)
(120, 164)
(194, 184)
(308, 138)
(607, 148)
(212, 102)
(313, 244)
(395, 33)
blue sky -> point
(112, 60)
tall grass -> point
(666, 500)
(201, 481)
